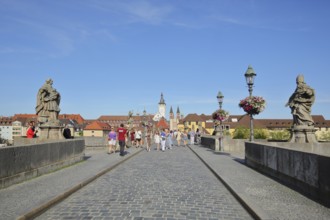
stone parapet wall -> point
(20, 163)
(96, 141)
(229, 144)
(297, 165)
(210, 142)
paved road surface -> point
(153, 185)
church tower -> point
(178, 114)
(171, 114)
(162, 106)
(172, 120)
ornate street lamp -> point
(219, 130)
(249, 76)
(220, 99)
(218, 127)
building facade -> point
(174, 119)
(6, 130)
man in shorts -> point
(121, 138)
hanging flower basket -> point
(253, 105)
(220, 115)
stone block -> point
(270, 159)
(298, 166)
(311, 169)
(284, 164)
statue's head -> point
(300, 79)
(49, 81)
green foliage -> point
(260, 134)
(241, 133)
(226, 133)
(324, 136)
(279, 135)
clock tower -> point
(162, 106)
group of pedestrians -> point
(163, 139)
(120, 136)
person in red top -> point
(30, 132)
(121, 138)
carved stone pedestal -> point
(50, 132)
(303, 134)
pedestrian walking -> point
(178, 137)
(157, 140)
(168, 142)
(172, 138)
(138, 135)
(198, 136)
(148, 139)
(132, 136)
(184, 136)
(192, 136)
(112, 138)
(163, 139)
(121, 139)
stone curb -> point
(43, 207)
(255, 211)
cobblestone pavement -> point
(19, 199)
(173, 184)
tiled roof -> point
(96, 125)
(162, 124)
(23, 116)
(193, 117)
(77, 117)
(123, 117)
(206, 117)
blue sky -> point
(107, 57)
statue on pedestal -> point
(129, 129)
(47, 110)
(301, 102)
(48, 101)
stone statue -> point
(48, 101)
(301, 102)
(130, 118)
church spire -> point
(162, 101)
(178, 110)
(171, 110)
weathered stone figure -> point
(48, 101)
(301, 102)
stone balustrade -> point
(19, 163)
(304, 167)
